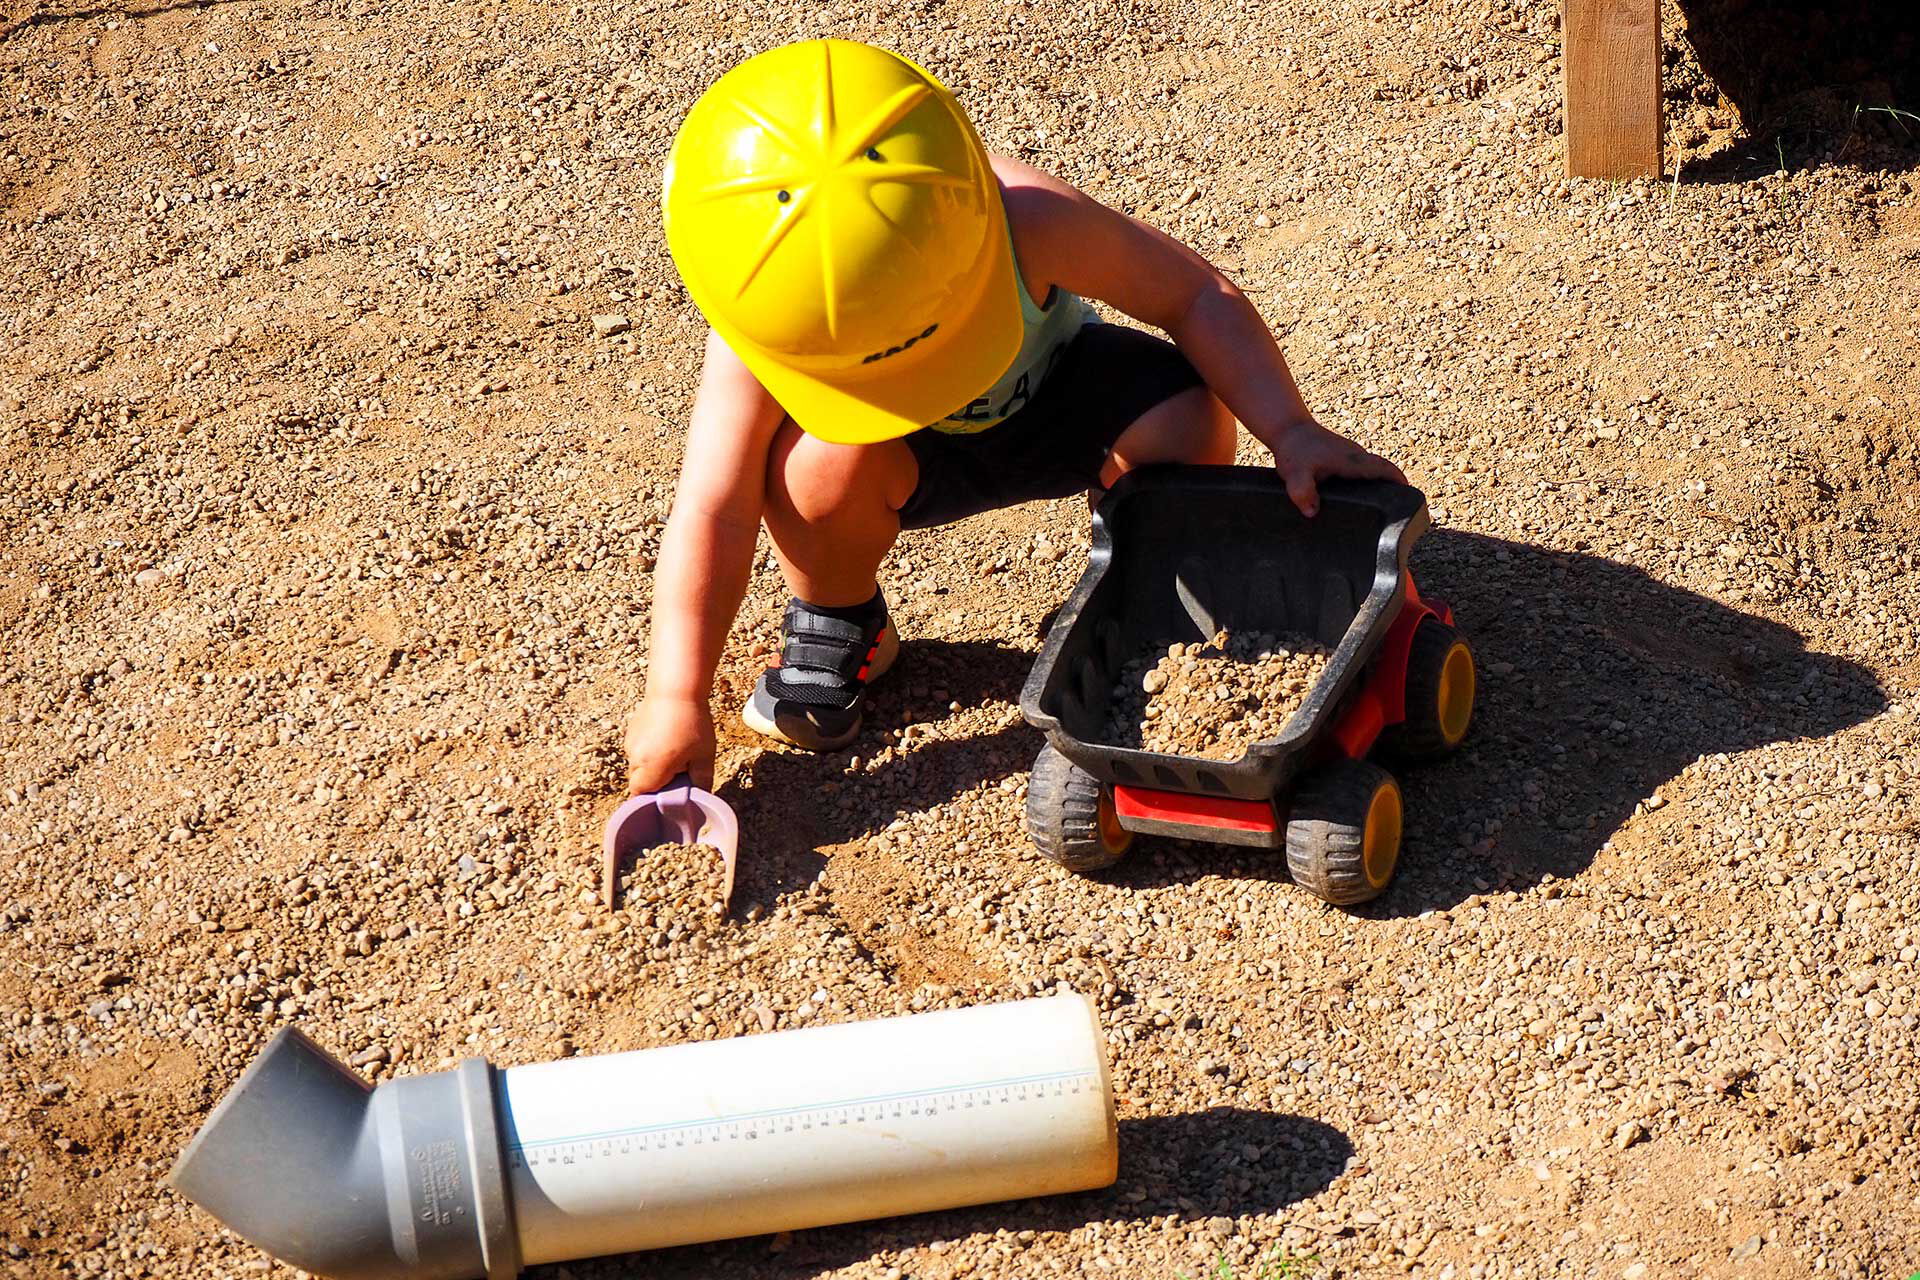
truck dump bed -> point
(1181, 552)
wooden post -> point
(1612, 65)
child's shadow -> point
(792, 803)
(1598, 685)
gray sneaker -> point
(814, 696)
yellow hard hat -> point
(833, 215)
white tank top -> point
(1046, 331)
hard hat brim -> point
(896, 397)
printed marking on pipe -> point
(748, 1126)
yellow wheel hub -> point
(1456, 694)
(1380, 845)
(1113, 837)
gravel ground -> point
(1214, 700)
(675, 889)
(342, 371)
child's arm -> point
(1065, 237)
(706, 556)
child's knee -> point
(1200, 430)
(817, 480)
(801, 475)
(1222, 431)
(1193, 426)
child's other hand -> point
(1307, 453)
(669, 736)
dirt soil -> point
(342, 375)
(1214, 700)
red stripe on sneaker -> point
(872, 649)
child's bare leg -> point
(833, 510)
(1190, 427)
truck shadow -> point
(1222, 1163)
(1599, 684)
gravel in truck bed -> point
(1213, 700)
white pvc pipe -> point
(805, 1128)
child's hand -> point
(665, 737)
(1307, 453)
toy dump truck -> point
(1180, 553)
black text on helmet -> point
(894, 351)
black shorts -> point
(1056, 444)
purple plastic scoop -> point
(678, 813)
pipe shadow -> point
(1224, 1162)
(1599, 684)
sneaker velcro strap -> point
(817, 626)
(804, 655)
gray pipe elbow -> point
(308, 1162)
